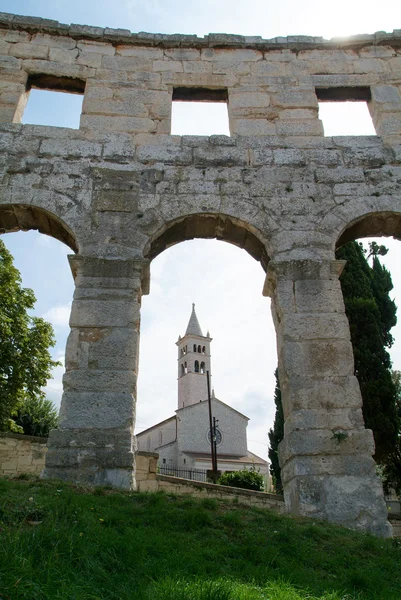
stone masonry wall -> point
(150, 481)
(22, 454)
(121, 189)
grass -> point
(60, 542)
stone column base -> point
(92, 457)
(340, 489)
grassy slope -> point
(152, 546)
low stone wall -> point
(148, 480)
(396, 525)
(21, 454)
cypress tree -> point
(392, 467)
(371, 315)
(275, 436)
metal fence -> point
(192, 474)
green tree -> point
(36, 416)
(371, 315)
(392, 466)
(25, 361)
(275, 436)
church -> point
(183, 440)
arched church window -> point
(199, 349)
(185, 369)
(204, 350)
(194, 347)
(182, 370)
(202, 367)
(197, 366)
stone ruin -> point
(121, 189)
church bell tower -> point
(193, 363)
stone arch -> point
(25, 217)
(210, 226)
(373, 224)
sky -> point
(224, 282)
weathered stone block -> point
(169, 154)
(326, 393)
(123, 124)
(241, 99)
(103, 313)
(300, 326)
(325, 442)
(337, 419)
(319, 296)
(253, 127)
(319, 358)
(96, 410)
(356, 497)
(299, 127)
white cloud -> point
(58, 316)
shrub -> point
(35, 416)
(248, 479)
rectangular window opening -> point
(199, 111)
(344, 111)
(54, 101)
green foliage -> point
(339, 436)
(36, 416)
(64, 542)
(12, 426)
(248, 479)
(25, 361)
(391, 472)
(275, 436)
(371, 315)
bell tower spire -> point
(193, 362)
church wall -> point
(168, 453)
(193, 426)
(162, 434)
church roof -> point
(173, 418)
(193, 324)
(214, 399)
(249, 457)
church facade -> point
(183, 440)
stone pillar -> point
(385, 109)
(94, 442)
(13, 95)
(326, 455)
(276, 112)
